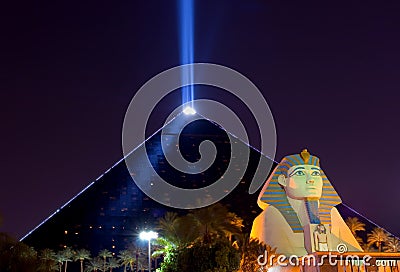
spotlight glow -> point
(186, 49)
(189, 110)
(148, 235)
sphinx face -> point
(302, 181)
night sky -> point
(329, 70)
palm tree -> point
(47, 254)
(138, 251)
(217, 221)
(104, 254)
(164, 246)
(250, 249)
(67, 254)
(23, 257)
(177, 230)
(168, 224)
(141, 263)
(113, 263)
(366, 247)
(127, 257)
(81, 255)
(355, 225)
(59, 258)
(377, 237)
(47, 260)
(392, 245)
(94, 265)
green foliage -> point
(250, 249)
(200, 240)
(178, 231)
(94, 265)
(218, 256)
(105, 253)
(16, 256)
(127, 258)
(47, 261)
(215, 221)
(113, 263)
(81, 255)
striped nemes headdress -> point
(274, 194)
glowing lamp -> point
(148, 235)
(189, 111)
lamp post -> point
(148, 235)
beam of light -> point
(186, 16)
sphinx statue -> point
(299, 215)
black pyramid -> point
(111, 211)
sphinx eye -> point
(316, 173)
(299, 173)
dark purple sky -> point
(329, 71)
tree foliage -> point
(250, 249)
(218, 255)
(355, 226)
(200, 240)
(16, 256)
(392, 244)
(378, 237)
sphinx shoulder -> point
(270, 216)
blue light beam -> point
(187, 50)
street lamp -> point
(148, 235)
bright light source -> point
(148, 235)
(189, 111)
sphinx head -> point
(301, 176)
(301, 180)
(298, 176)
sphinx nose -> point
(310, 181)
